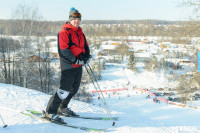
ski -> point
(37, 115)
(81, 117)
(92, 118)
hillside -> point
(137, 114)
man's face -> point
(76, 22)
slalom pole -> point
(4, 125)
(100, 94)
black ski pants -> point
(70, 81)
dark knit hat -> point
(74, 13)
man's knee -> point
(62, 94)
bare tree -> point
(188, 84)
(26, 16)
(193, 27)
(123, 50)
(8, 47)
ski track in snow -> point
(137, 114)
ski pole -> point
(4, 125)
(98, 87)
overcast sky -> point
(102, 9)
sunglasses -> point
(76, 15)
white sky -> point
(103, 9)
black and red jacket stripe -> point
(71, 43)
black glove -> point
(78, 62)
(83, 57)
(87, 56)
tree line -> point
(107, 28)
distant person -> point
(154, 100)
(148, 96)
(74, 52)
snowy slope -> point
(137, 114)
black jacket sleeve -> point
(87, 49)
(67, 54)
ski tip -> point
(106, 118)
(33, 111)
(97, 130)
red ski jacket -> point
(71, 43)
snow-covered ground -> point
(136, 113)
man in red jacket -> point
(74, 52)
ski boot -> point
(66, 112)
(52, 117)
